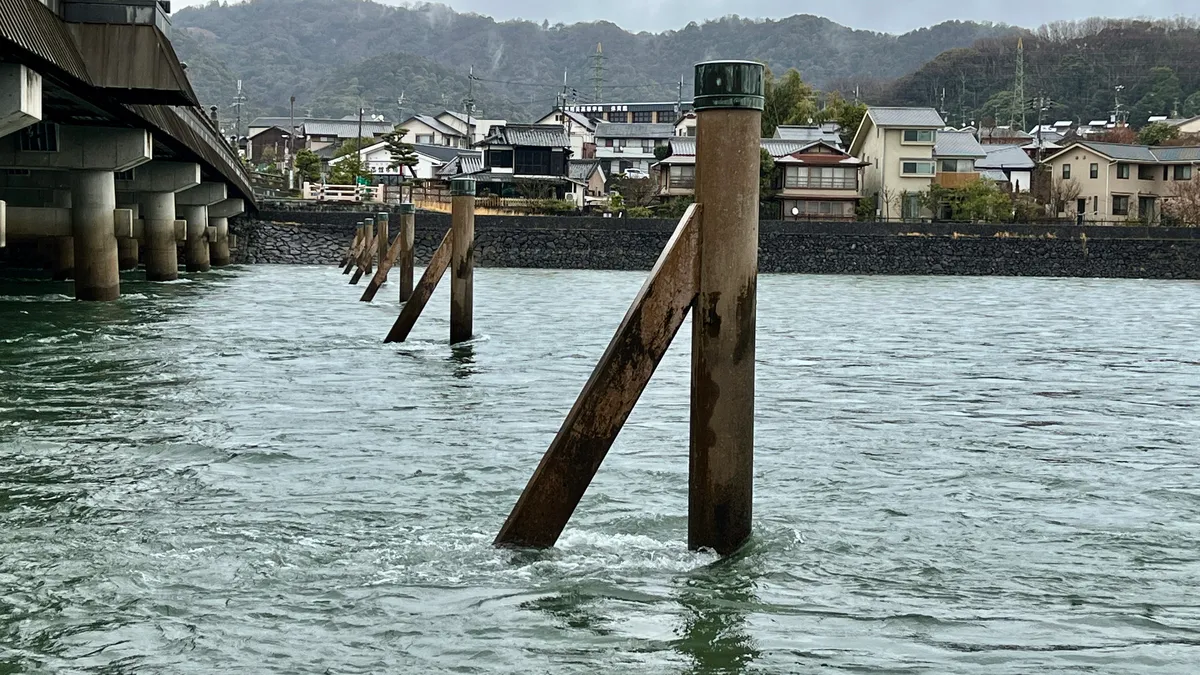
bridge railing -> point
(343, 193)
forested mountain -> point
(331, 54)
(1084, 68)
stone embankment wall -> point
(308, 237)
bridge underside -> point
(102, 142)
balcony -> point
(682, 183)
(820, 184)
(955, 180)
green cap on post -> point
(381, 217)
(729, 85)
(406, 209)
(462, 187)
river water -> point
(954, 475)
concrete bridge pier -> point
(128, 248)
(153, 187)
(193, 205)
(93, 200)
(218, 222)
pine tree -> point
(403, 154)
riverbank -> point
(296, 237)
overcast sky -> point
(893, 16)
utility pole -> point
(679, 99)
(400, 109)
(291, 145)
(1116, 118)
(358, 147)
(238, 100)
(469, 105)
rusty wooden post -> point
(462, 260)
(407, 237)
(729, 103)
(369, 254)
(608, 398)
(382, 239)
(386, 260)
(420, 297)
(355, 247)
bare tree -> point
(1183, 206)
(1062, 193)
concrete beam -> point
(32, 223)
(162, 177)
(20, 97)
(82, 148)
(3, 227)
(203, 194)
(227, 208)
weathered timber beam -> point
(385, 265)
(424, 290)
(609, 396)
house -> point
(472, 128)
(1185, 126)
(622, 148)
(1015, 167)
(817, 179)
(518, 158)
(830, 132)
(897, 147)
(378, 161)
(686, 125)
(427, 130)
(1109, 181)
(580, 128)
(322, 133)
(270, 144)
(464, 163)
(1003, 136)
(956, 153)
(634, 113)
(588, 182)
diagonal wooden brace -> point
(364, 261)
(355, 252)
(385, 266)
(424, 290)
(609, 396)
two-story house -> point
(629, 148)
(320, 134)
(956, 153)
(473, 129)
(522, 158)
(815, 179)
(666, 112)
(1113, 182)
(377, 159)
(427, 130)
(580, 128)
(897, 145)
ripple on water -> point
(952, 475)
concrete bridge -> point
(106, 157)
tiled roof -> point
(580, 118)
(1005, 157)
(957, 144)
(1134, 153)
(462, 163)
(344, 128)
(1177, 154)
(614, 130)
(906, 117)
(808, 133)
(993, 174)
(582, 169)
(685, 147)
(530, 135)
(438, 152)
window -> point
(500, 159)
(619, 117)
(123, 175)
(796, 210)
(826, 177)
(1183, 172)
(1066, 171)
(425, 139)
(1094, 171)
(1095, 204)
(911, 207)
(918, 136)
(956, 166)
(533, 161)
(1123, 171)
(1146, 172)
(1120, 206)
(646, 117)
(917, 167)
(40, 137)
(683, 178)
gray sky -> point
(893, 16)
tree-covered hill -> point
(314, 49)
(1084, 68)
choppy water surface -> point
(233, 474)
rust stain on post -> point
(609, 396)
(407, 236)
(721, 464)
(462, 266)
(429, 281)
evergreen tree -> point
(403, 154)
(788, 101)
(308, 165)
